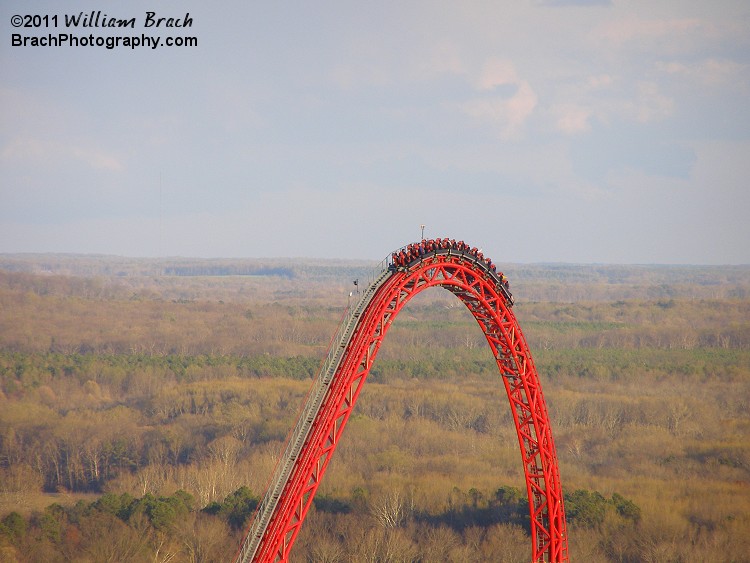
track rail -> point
(465, 273)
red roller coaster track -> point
(465, 273)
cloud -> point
(572, 119)
(599, 82)
(605, 152)
(497, 72)
(39, 153)
(564, 3)
(348, 76)
(694, 37)
(506, 114)
(649, 104)
(608, 100)
(708, 72)
(640, 30)
(508, 101)
(48, 135)
(441, 59)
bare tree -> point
(392, 509)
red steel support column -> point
(462, 275)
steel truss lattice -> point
(287, 502)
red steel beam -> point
(463, 275)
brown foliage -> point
(142, 387)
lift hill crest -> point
(474, 280)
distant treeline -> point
(666, 280)
(227, 270)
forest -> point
(143, 405)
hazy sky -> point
(542, 131)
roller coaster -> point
(465, 272)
